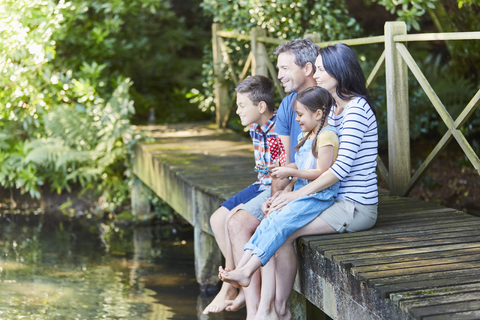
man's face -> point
(291, 75)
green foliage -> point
(409, 11)
(281, 18)
(64, 115)
(140, 39)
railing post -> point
(315, 37)
(259, 64)
(221, 88)
(397, 111)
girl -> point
(317, 150)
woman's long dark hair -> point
(315, 98)
(342, 63)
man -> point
(296, 67)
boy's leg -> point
(227, 292)
(241, 227)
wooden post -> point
(140, 200)
(221, 88)
(315, 37)
(207, 259)
(259, 64)
(397, 111)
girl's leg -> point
(286, 267)
(218, 222)
(284, 223)
(243, 275)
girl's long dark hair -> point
(315, 98)
(341, 62)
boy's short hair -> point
(258, 88)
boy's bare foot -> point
(219, 303)
(237, 304)
(236, 276)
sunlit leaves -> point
(62, 122)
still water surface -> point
(57, 267)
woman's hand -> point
(282, 200)
(281, 172)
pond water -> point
(57, 267)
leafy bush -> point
(64, 120)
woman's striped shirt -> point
(356, 163)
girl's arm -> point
(325, 180)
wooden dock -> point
(420, 261)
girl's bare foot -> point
(237, 304)
(236, 276)
(219, 303)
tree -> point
(281, 18)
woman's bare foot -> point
(236, 276)
(219, 303)
(237, 304)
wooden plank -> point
(473, 273)
(438, 291)
(467, 315)
(420, 172)
(353, 42)
(428, 301)
(375, 231)
(370, 277)
(418, 237)
(468, 111)
(447, 309)
(423, 283)
(349, 259)
(474, 35)
(330, 254)
(420, 258)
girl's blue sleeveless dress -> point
(274, 230)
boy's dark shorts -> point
(243, 196)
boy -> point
(255, 106)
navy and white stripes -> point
(356, 162)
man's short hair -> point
(303, 49)
(258, 88)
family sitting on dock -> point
(316, 161)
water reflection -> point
(56, 267)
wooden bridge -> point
(420, 261)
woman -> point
(355, 209)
